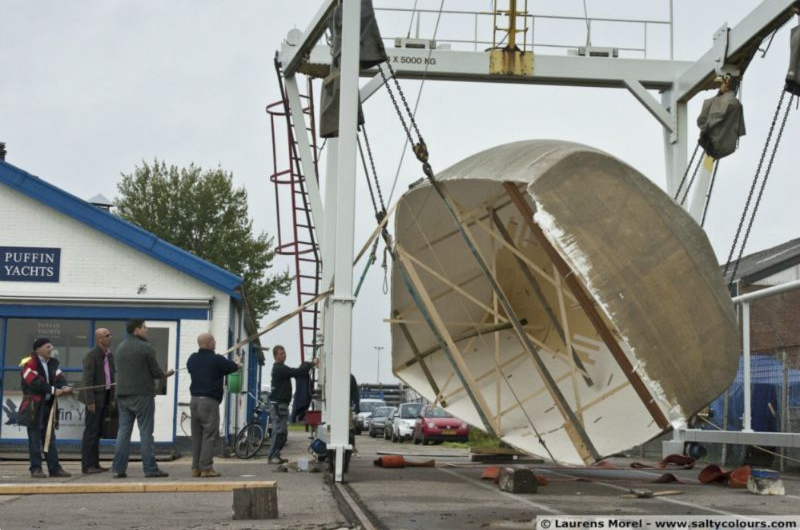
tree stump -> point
(517, 480)
(255, 503)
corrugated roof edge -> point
(121, 230)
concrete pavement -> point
(305, 500)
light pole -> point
(378, 349)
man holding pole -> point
(280, 396)
(42, 382)
(137, 368)
(98, 395)
(208, 371)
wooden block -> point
(516, 480)
(130, 487)
(255, 503)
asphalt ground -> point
(452, 495)
(449, 496)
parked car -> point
(378, 420)
(403, 421)
(365, 408)
(434, 424)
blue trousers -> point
(36, 435)
(142, 409)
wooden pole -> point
(428, 309)
(418, 358)
(50, 425)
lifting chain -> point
(708, 195)
(419, 147)
(691, 180)
(753, 186)
(686, 173)
(763, 184)
(378, 205)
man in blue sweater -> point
(208, 371)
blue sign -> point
(29, 264)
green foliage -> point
(478, 439)
(202, 212)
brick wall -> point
(775, 324)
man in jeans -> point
(208, 371)
(279, 397)
(137, 368)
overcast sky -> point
(90, 88)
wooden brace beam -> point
(589, 308)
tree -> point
(202, 212)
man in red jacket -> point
(42, 380)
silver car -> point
(377, 422)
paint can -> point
(765, 482)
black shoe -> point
(156, 474)
(119, 475)
(92, 470)
(38, 473)
(103, 469)
(60, 473)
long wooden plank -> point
(130, 487)
(509, 244)
(421, 361)
(589, 308)
(448, 345)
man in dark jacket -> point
(207, 370)
(42, 380)
(137, 368)
(279, 398)
(98, 372)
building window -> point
(70, 343)
(157, 337)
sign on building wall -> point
(29, 264)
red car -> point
(436, 425)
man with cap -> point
(42, 381)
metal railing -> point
(477, 21)
(786, 437)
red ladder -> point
(298, 239)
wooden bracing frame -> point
(589, 308)
(580, 440)
(446, 341)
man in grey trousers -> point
(137, 370)
(207, 370)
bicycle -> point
(251, 437)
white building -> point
(68, 267)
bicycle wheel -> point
(249, 440)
